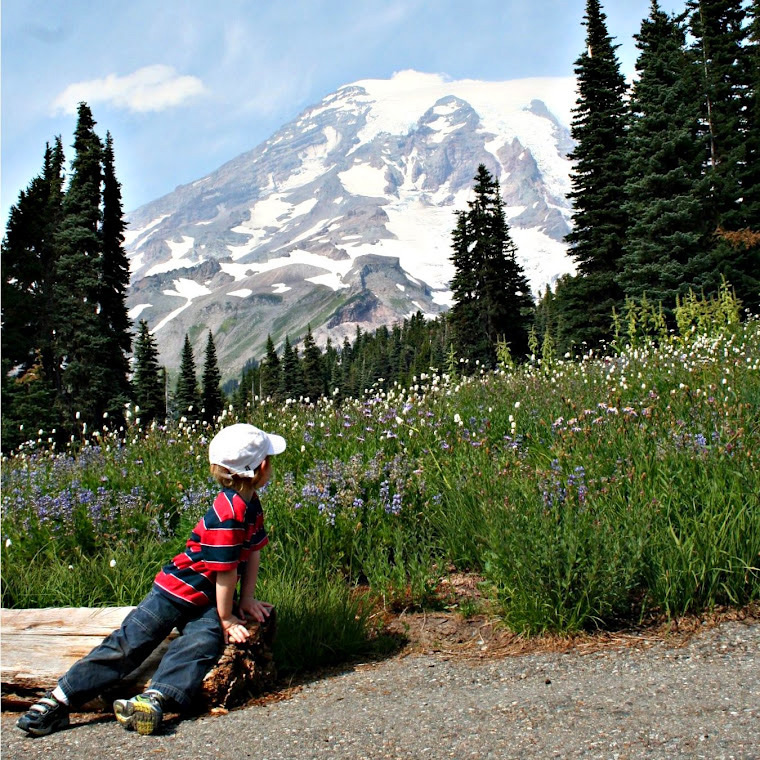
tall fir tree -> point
(598, 180)
(331, 367)
(665, 183)
(28, 266)
(187, 399)
(248, 387)
(492, 298)
(84, 378)
(148, 380)
(750, 177)
(114, 283)
(270, 372)
(212, 400)
(27, 301)
(65, 275)
(717, 27)
(291, 378)
(468, 331)
(726, 62)
(313, 369)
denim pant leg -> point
(190, 656)
(123, 650)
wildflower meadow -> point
(590, 491)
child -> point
(193, 593)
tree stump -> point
(244, 671)
(38, 646)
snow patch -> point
(131, 235)
(190, 289)
(400, 287)
(242, 293)
(334, 270)
(362, 179)
(238, 271)
(136, 262)
(135, 311)
(280, 287)
(183, 288)
(313, 160)
(303, 208)
(265, 213)
(543, 260)
(442, 128)
(169, 266)
(443, 298)
(331, 279)
(178, 250)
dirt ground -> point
(482, 635)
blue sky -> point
(185, 85)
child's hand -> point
(255, 609)
(234, 630)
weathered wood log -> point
(38, 646)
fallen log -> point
(38, 646)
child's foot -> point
(143, 713)
(45, 716)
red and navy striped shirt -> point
(222, 540)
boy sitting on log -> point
(193, 593)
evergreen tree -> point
(313, 370)
(726, 60)
(545, 319)
(248, 387)
(291, 380)
(750, 172)
(187, 398)
(28, 265)
(332, 367)
(492, 298)
(85, 380)
(147, 381)
(114, 282)
(665, 184)
(718, 30)
(598, 179)
(467, 329)
(270, 372)
(65, 275)
(212, 400)
(347, 382)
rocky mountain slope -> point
(343, 217)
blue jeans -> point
(187, 660)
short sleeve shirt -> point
(222, 540)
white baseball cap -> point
(242, 448)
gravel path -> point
(701, 700)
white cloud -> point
(151, 88)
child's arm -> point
(233, 627)
(249, 605)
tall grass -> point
(589, 491)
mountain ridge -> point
(368, 177)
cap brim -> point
(276, 443)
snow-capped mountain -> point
(344, 216)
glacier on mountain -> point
(354, 198)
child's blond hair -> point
(243, 485)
